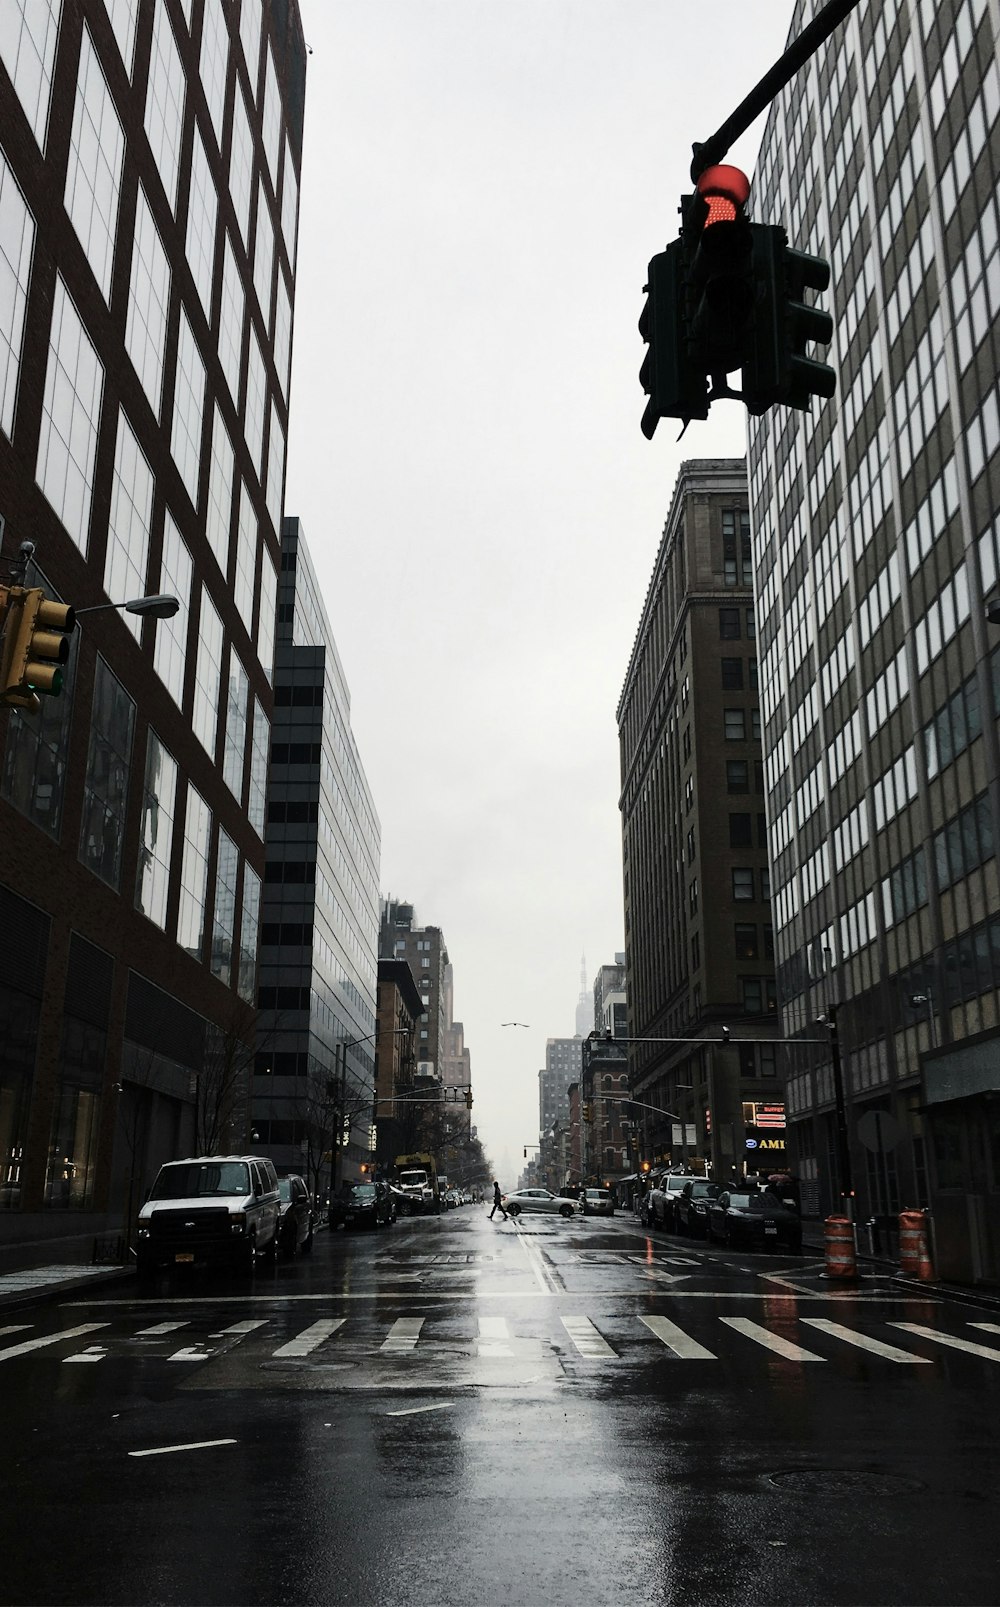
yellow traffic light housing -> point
(35, 646)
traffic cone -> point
(841, 1254)
(914, 1252)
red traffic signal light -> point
(725, 192)
(720, 272)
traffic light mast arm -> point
(759, 99)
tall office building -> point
(698, 940)
(609, 994)
(149, 181)
(563, 1059)
(424, 949)
(876, 546)
(318, 983)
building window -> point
(224, 916)
(28, 50)
(695, 952)
(690, 845)
(256, 401)
(250, 40)
(745, 940)
(194, 874)
(765, 885)
(752, 993)
(170, 652)
(266, 614)
(232, 313)
(207, 676)
(213, 63)
(756, 733)
(148, 303)
(686, 742)
(109, 757)
(282, 334)
(732, 675)
(729, 624)
(236, 727)
(258, 769)
(164, 115)
(750, 624)
(241, 165)
(737, 557)
(189, 409)
(743, 882)
(739, 831)
(263, 256)
(275, 468)
(17, 238)
(693, 896)
(203, 212)
(249, 933)
(688, 792)
(94, 166)
(735, 725)
(71, 408)
(289, 204)
(127, 552)
(246, 559)
(159, 793)
(219, 509)
(737, 775)
(271, 129)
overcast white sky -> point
(484, 182)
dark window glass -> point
(732, 675)
(729, 624)
(739, 831)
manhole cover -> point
(842, 1481)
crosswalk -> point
(795, 1339)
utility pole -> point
(843, 1141)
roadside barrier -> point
(914, 1252)
(841, 1253)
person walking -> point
(497, 1202)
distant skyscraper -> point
(876, 547)
(585, 1003)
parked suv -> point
(210, 1209)
(693, 1204)
(661, 1202)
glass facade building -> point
(876, 549)
(314, 1076)
(149, 181)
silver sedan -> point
(537, 1200)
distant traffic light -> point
(588, 1113)
(468, 1097)
(778, 369)
(35, 646)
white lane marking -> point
(198, 1352)
(310, 1337)
(770, 1341)
(494, 1335)
(677, 1340)
(16, 1328)
(411, 1411)
(50, 1339)
(159, 1328)
(949, 1339)
(195, 1445)
(884, 1296)
(92, 1353)
(988, 1327)
(403, 1336)
(586, 1338)
(541, 1273)
(241, 1328)
(863, 1342)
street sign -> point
(879, 1131)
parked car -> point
(296, 1222)
(537, 1200)
(692, 1203)
(661, 1202)
(210, 1210)
(401, 1200)
(598, 1202)
(754, 1218)
(368, 1205)
(451, 1199)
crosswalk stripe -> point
(159, 1328)
(494, 1335)
(949, 1339)
(15, 1328)
(403, 1336)
(586, 1338)
(677, 1340)
(989, 1327)
(863, 1342)
(770, 1341)
(241, 1327)
(50, 1339)
(310, 1337)
(92, 1353)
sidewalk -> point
(30, 1285)
(882, 1267)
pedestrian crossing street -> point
(793, 1338)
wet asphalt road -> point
(460, 1412)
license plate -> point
(184, 1255)
(349, 1218)
(770, 1230)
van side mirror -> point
(258, 1189)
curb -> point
(959, 1293)
(52, 1291)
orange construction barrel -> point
(914, 1250)
(841, 1255)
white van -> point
(210, 1210)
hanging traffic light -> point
(777, 370)
(720, 283)
(468, 1098)
(35, 646)
(588, 1113)
(676, 387)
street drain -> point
(842, 1481)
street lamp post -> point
(843, 1142)
(160, 606)
(927, 998)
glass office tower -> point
(876, 548)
